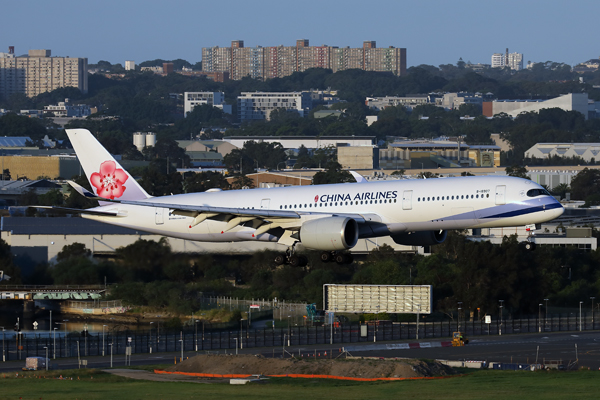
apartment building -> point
(215, 99)
(255, 106)
(276, 62)
(512, 60)
(39, 72)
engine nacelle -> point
(330, 233)
(424, 238)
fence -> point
(281, 309)
(19, 346)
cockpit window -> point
(537, 192)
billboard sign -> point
(392, 299)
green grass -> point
(93, 384)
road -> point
(508, 348)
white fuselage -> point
(394, 206)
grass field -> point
(93, 384)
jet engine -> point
(424, 238)
(329, 233)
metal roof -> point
(61, 226)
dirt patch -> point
(354, 368)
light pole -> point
(289, 330)
(181, 340)
(241, 332)
(500, 328)
(236, 346)
(46, 347)
(546, 315)
(580, 303)
(111, 348)
(459, 310)
(66, 348)
(196, 326)
(540, 317)
(54, 344)
(3, 348)
(103, 339)
(592, 298)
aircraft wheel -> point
(294, 261)
(326, 256)
(530, 246)
(279, 259)
(340, 258)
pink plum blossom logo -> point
(316, 198)
(109, 182)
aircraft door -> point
(407, 200)
(158, 215)
(500, 195)
(264, 204)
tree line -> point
(478, 274)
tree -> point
(201, 182)
(585, 183)
(333, 174)
(518, 171)
(73, 250)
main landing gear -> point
(290, 257)
(340, 258)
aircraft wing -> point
(260, 219)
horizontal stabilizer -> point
(68, 210)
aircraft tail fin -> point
(108, 179)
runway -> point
(565, 346)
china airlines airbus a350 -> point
(330, 218)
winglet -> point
(84, 192)
(358, 177)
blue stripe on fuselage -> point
(523, 211)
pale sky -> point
(433, 31)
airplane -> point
(329, 218)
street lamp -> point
(546, 315)
(580, 303)
(46, 347)
(111, 351)
(54, 344)
(103, 339)
(540, 318)
(66, 348)
(196, 325)
(241, 332)
(459, 310)
(500, 328)
(3, 348)
(592, 298)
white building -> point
(409, 102)
(512, 60)
(129, 65)
(586, 151)
(254, 106)
(66, 109)
(215, 99)
(515, 61)
(568, 102)
(310, 142)
(497, 60)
